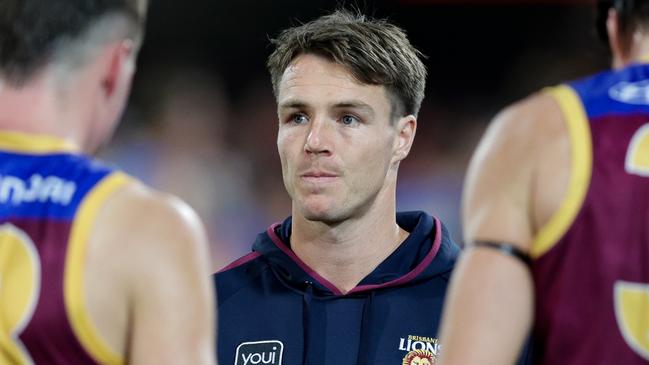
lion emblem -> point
(419, 357)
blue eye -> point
(349, 120)
(299, 119)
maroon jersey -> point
(48, 200)
(591, 261)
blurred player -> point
(95, 268)
(556, 214)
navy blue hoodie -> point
(273, 309)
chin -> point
(325, 214)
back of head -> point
(633, 16)
(34, 33)
(374, 51)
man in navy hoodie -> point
(346, 279)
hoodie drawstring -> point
(306, 314)
(366, 330)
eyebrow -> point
(292, 104)
(353, 104)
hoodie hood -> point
(420, 256)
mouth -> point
(319, 177)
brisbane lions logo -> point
(419, 357)
(420, 350)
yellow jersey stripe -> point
(34, 143)
(643, 58)
(75, 305)
(581, 167)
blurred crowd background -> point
(202, 120)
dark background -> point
(476, 49)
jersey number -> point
(19, 291)
(632, 313)
(637, 156)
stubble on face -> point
(332, 169)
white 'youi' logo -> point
(259, 352)
(636, 93)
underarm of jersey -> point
(507, 249)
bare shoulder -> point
(147, 270)
(141, 235)
(525, 121)
(501, 180)
(151, 220)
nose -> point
(318, 141)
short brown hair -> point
(376, 52)
(30, 30)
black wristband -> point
(507, 249)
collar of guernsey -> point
(34, 143)
(643, 59)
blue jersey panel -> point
(620, 93)
(52, 186)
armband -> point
(507, 249)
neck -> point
(37, 108)
(348, 251)
(638, 51)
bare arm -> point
(156, 258)
(489, 308)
